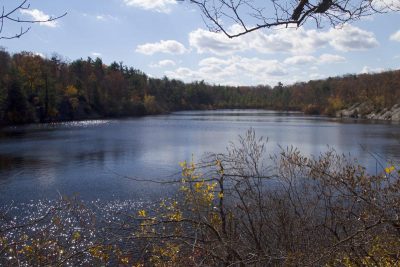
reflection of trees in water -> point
(12, 134)
(96, 156)
(9, 163)
(105, 152)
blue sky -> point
(162, 37)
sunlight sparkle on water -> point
(82, 124)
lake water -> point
(91, 158)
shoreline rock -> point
(367, 111)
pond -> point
(96, 159)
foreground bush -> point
(234, 209)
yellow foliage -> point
(76, 236)
(165, 255)
(28, 249)
(198, 191)
(383, 253)
(142, 213)
(390, 169)
(177, 216)
(71, 91)
(150, 104)
(335, 103)
(100, 252)
(215, 219)
(124, 260)
(200, 196)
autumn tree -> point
(118, 90)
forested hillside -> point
(35, 89)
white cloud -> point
(295, 41)
(163, 63)
(96, 54)
(233, 69)
(163, 6)
(315, 76)
(215, 43)
(300, 60)
(288, 40)
(367, 69)
(210, 61)
(239, 70)
(351, 38)
(38, 15)
(395, 36)
(106, 18)
(301, 41)
(329, 58)
(185, 74)
(307, 59)
(244, 66)
(168, 46)
(386, 5)
(39, 54)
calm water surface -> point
(90, 158)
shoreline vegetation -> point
(34, 89)
(240, 208)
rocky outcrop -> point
(386, 114)
(367, 111)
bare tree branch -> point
(10, 16)
(250, 15)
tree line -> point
(37, 89)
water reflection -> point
(37, 161)
(11, 162)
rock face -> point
(366, 111)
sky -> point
(166, 38)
